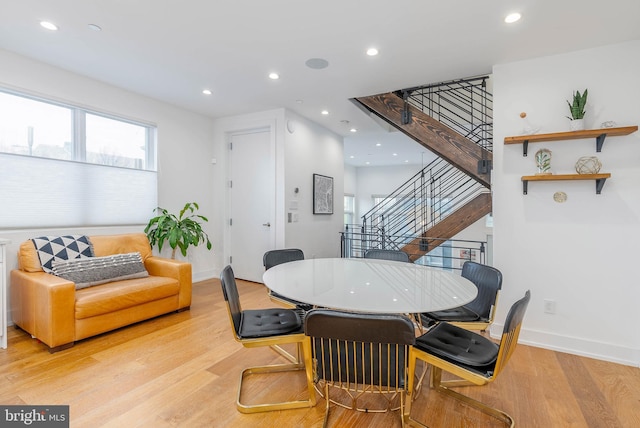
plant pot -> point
(576, 125)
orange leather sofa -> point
(54, 312)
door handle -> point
(268, 224)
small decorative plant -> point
(577, 108)
(179, 230)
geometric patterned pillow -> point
(99, 270)
(68, 247)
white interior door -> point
(252, 196)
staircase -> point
(454, 120)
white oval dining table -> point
(370, 285)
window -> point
(33, 128)
(349, 209)
(61, 165)
(116, 143)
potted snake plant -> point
(576, 108)
(180, 231)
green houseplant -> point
(577, 107)
(181, 231)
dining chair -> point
(361, 357)
(275, 257)
(396, 255)
(471, 357)
(265, 327)
(480, 312)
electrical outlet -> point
(549, 306)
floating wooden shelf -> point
(599, 134)
(599, 179)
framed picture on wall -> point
(322, 194)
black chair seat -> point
(269, 322)
(461, 313)
(458, 345)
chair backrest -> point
(511, 332)
(396, 255)
(360, 349)
(275, 257)
(231, 296)
(488, 280)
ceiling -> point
(171, 50)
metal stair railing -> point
(432, 194)
(463, 105)
(453, 255)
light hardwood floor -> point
(182, 370)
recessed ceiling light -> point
(406, 161)
(395, 154)
(367, 163)
(352, 157)
(206, 91)
(353, 130)
(274, 76)
(372, 51)
(325, 112)
(378, 144)
(512, 17)
(49, 25)
(94, 27)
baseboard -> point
(576, 346)
(205, 275)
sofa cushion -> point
(115, 296)
(99, 270)
(51, 249)
(107, 245)
(118, 295)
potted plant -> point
(181, 231)
(577, 110)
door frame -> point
(276, 231)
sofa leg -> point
(186, 308)
(61, 347)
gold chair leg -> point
(412, 392)
(328, 402)
(276, 368)
(267, 407)
(438, 385)
(286, 354)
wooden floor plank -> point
(182, 370)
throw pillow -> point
(99, 270)
(67, 247)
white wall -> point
(581, 253)
(379, 180)
(184, 146)
(312, 149)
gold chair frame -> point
(296, 363)
(508, 343)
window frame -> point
(79, 131)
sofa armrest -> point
(179, 270)
(44, 306)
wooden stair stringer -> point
(430, 133)
(450, 226)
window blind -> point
(39, 192)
